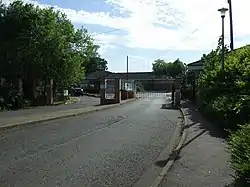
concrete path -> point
(203, 160)
(85, 101)
(112, 147)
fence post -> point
(177, 91)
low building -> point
(196, 67)
(144, 81)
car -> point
(78, 92)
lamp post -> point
(223, 14)
(127, 79)
(231, 25)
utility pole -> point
(127, 77)
(231, 25)
(127, 68)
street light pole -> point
(222, 43)
(223, 14)
(127, 68)
(231, 25)
(127, 78)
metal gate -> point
(154, 88)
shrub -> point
(10, 98)
(232, 109)
(239, 147)
(224, 95)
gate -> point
(154, 88)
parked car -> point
(78, 91)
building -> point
(195, 66)
(145, 81)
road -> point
(112, 147)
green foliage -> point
(43, 43)
(96, 64)
(228, 110)
(159, 67)
(226, 92)
(239, 147)
(172, 69)
(211, 74)
(10, 98)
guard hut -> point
(110, 91)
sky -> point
(145, 30)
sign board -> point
(65, 92)
(110, 88)
(102, 86)
(128, 86)
(109, 96)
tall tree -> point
(172, 69)
(96, 64)
(42, 43)
(159, 67)
(177, 68)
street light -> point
(223, 14)
(231, 25)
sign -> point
(65, 92)
(110, 88)
(109, 96)
(102, 86)
(128, 86)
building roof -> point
(131, 75)
(97, 75)
(196, 63)
(137, 75)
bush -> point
(10, 98)
(232, 109)
(239, 147)
(224, 95)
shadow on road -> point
(173, 156)
(238, 183)
(201, 126)
(169, 106)
(194, 115)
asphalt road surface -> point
(112, 147)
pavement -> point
(119, 146)
(203, 159)
(16, 118)
(84, 101)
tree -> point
(177, 68)
(42, 43)
(159, 67)
(96, 64)
(172, 69)
(211, 64)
